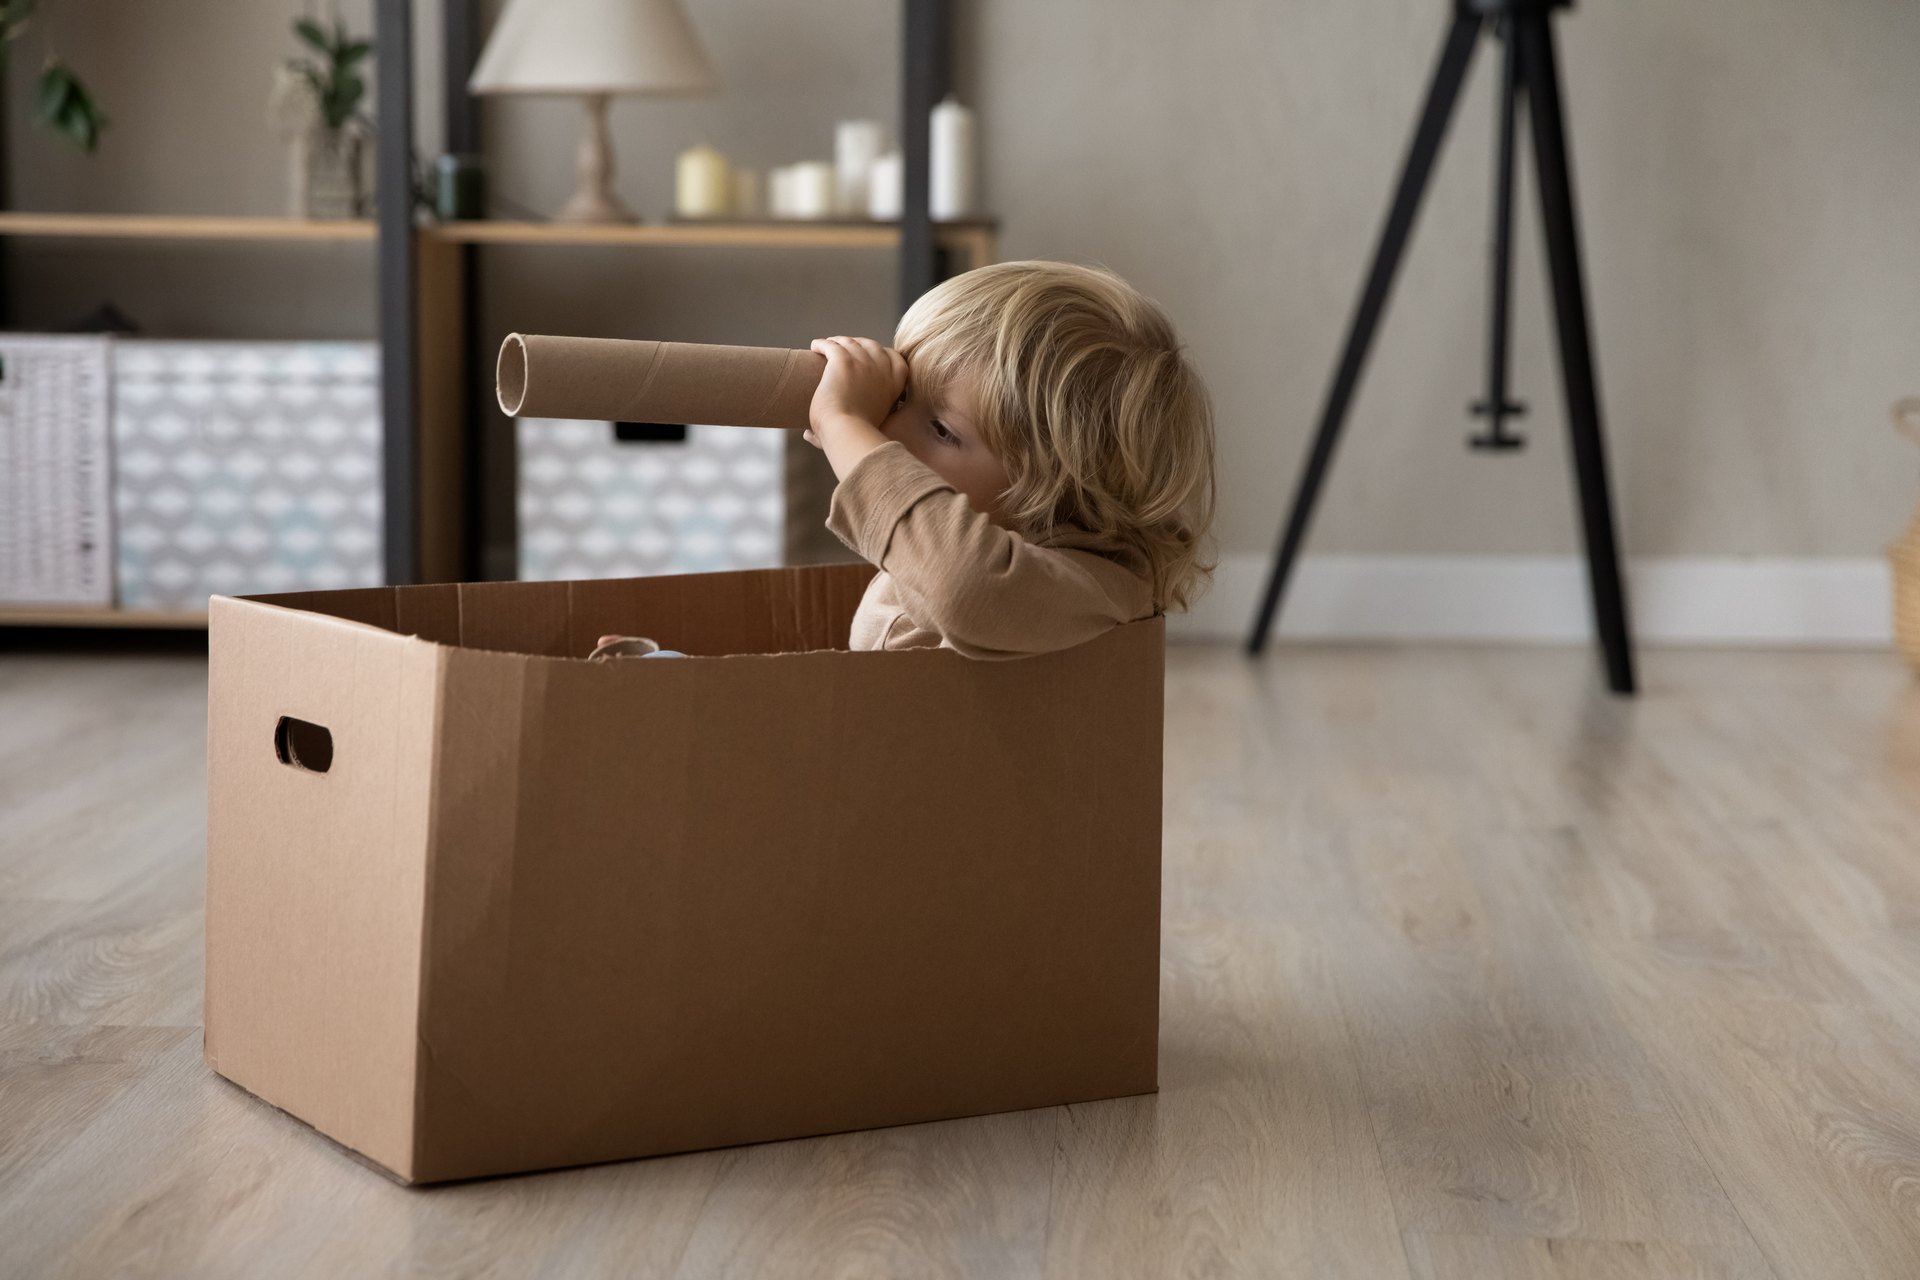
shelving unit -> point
(439, 532)
(447, 266)
(428, 282)
(425, 281)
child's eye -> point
(941, 433)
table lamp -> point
(594, 49)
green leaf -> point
(352, 53)
(309, 30)
(80, 129)
(85, 124)
(56, 82)
(65, 106)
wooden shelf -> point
(55, 616)
(118, 226)
(716, 234)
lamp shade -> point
(593, 47)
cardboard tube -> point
(615, 381)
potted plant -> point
(319, 96)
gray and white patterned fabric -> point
(245, 467)
(56, 544)
(595, 507)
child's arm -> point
(988, 591)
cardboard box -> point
(538, 911)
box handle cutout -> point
(303, 745)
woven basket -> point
(1905, 555)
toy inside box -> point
(476, 905)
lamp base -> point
(594, 199)
(588, 205)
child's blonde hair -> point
(1087, 400)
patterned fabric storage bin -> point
(56, 541)
(245, 467)
(595, 506)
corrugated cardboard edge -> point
(457, 909)
(364, 1161)
(312, 960)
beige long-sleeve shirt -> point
(950, 576)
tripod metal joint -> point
(1497, 438)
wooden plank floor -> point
(1469, 971)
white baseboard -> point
(1543, 599)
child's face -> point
(946, 436)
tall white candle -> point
(702, 186)
(883, 187)
(856, 145)
(953, 180)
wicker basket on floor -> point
(1905, 555)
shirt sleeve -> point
(989, 592)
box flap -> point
(753, 611)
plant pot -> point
(336, 175)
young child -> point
(1029, 466)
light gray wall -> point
(1747, 171)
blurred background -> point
(1748, 207)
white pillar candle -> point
(884, 186)
(780, 191)
(703, 187)
(746, 194)
(954, 162)
(811, 189)
(856, 145)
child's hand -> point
(863, 381)
(856, 395)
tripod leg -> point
(1498, 406)
(1542, 83)
(1441, 96)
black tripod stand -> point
(1524, 27)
